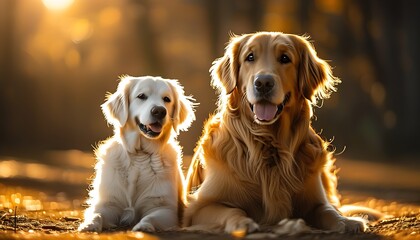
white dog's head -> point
(152, 105)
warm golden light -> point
(109, 16)
(80, 30)
(239, 233)
(57, 5)
(12, 168)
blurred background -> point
(58, 58)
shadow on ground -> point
(48, 193)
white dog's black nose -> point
(158, 112)
(263, 83)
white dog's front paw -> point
(242, 224)
(94, 225)
(144, 227)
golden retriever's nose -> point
(263, 83)
(158, 112)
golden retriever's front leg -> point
(329, 218)
(322, 214)
(231, 219)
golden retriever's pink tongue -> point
(265, 111)
(155, 127)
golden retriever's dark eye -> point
(250, 57)
(166, 99)
(142, 96)
(284, 59)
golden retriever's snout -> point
(263, 84)
(264, 109)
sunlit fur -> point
(138, 180)
(245, 173)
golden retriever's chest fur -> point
(258, 175)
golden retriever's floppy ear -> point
(225, 70)
(315, 75)
(115, 108)
(183, 114)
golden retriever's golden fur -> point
(259, 161)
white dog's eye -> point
(142, 96)
(167, 99)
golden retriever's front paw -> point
(349, 225)
(243, 224)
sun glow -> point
(57, 5)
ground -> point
(44, 200)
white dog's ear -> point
(115, 108)
(183, 114)
(225, 70)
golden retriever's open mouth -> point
(150, 130)
(265, 111)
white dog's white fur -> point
(138, 181)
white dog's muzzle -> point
(153, 130)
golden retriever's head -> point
(152, 105)
(271, 71)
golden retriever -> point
(138, 181)
(259, 161)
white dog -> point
(138, 181)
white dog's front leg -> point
(91, 225)
(99, 218)
(157, 219)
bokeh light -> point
(57, 5)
